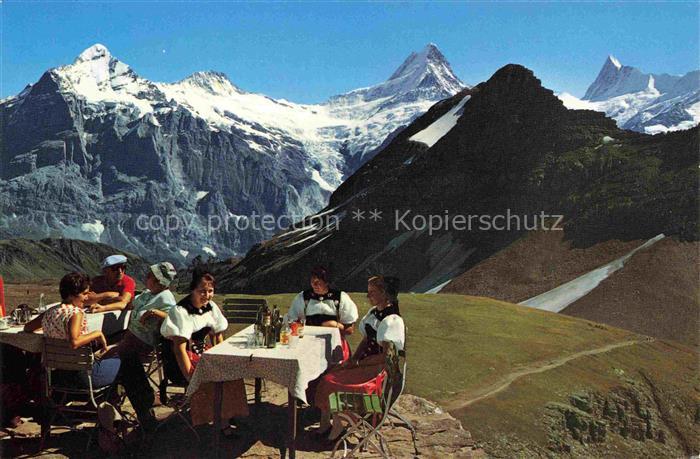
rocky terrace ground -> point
(261, 435)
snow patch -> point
(315, 176)
(94, 230)
(201, 195)
(442, 126)
(560, 297)
(184, 253)
(439, 287)
(615, 62)
(574, 103)
(209, 250)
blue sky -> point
(308, 51)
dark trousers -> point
(132, 350)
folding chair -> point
(245, 311)
(366, 414)
(171, 376)
(393, 414)
(59, 355)
(153, 368)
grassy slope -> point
(458, 345)
(45, 261)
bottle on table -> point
(285, 332)
(266, 326)
(270, 341)
(300, 329)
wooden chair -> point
(245, 311)
(59, 355)
(242, 310)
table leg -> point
(45, 408)
(218, 399)
(292, 425)
(258, 391)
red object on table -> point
(295, 328)
(2, 298)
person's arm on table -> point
(94, 298)
(114, 304)
(34, 324)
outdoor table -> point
(292, 368)
(109, 322)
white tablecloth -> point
(293, 368)
(109, 322)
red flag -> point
(2, 298)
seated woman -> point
(143, 332)
(187, 326)
(363, 371)
(326, 307)
(67, 321)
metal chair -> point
(245, 311)
(366, 414)
(59, 355)
(153, 368)
(171, 376)
(395, 415)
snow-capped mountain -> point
(92, 146)
(644, 102)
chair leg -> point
(258, 390)
(188, 424)
(409, 426)
(180, 414)
(46, 430)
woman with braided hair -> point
(364, 370)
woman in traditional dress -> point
(363, 371)
(187, 326)
(324, 306)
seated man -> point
(149, 310)
(113, 290)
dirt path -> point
(538, 367)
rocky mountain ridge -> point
(643, 102)
(515, 151)
(174, 170)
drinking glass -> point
(251, 341)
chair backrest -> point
(60, 355)
(172, 375)
(242, 310)
(395, 368)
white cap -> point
(165, 272)
(113, 260)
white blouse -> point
(180, 323)
(347, 309)
(392, 328)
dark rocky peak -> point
(514, 89)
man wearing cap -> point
(148, 310)
(113, 290)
